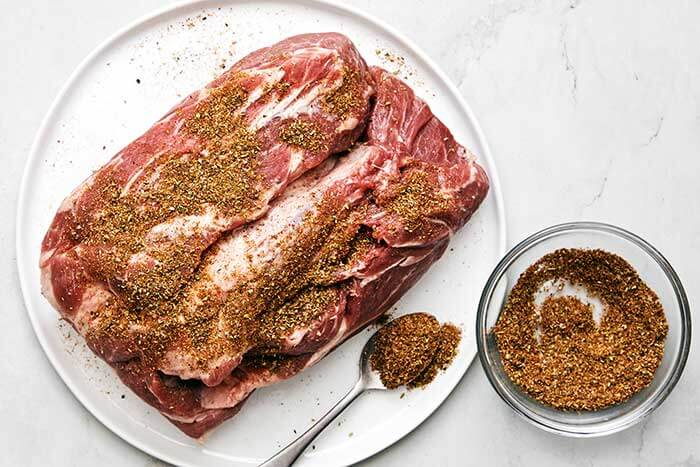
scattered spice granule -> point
(416, 201)
(384, 319)
(559, 355)
(347, 97)
(390, 57)
(304, 134)
(450, 337)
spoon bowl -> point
(369, 380)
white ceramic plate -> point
(103, 107)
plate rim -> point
(75, 389)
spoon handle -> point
(289, 454)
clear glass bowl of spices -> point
(583, 329)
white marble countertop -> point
(592, 110)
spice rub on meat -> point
(138, 226)
(237, 242)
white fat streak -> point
(440, 222)
(140, 257)
(270, 77)
(69, 202)
(47, 287)
(93, 298)
(226, 395)
(135, 176)
(295, 337)
(296, 157)
(178, 126)
(294, 104)
(290, 106)
(298, 334)
(45, 256)
(347, 124)
(330, 345)
(389, 168)
(183, 365)
(403, 278)
(180, 419)
(402, 262)
(186, 226)
(472, 173)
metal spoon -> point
(368, 381)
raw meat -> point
(212, 300)
(211, 164)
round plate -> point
(113, 97)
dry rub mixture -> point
(557, 353)
(412, 349)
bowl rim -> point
(555, 230)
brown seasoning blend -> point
(412, 349)
(559, 355)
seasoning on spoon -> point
(412, 349)
(581, 330)
(450, 336)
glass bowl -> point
(653, 269)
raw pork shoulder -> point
(261, 222)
